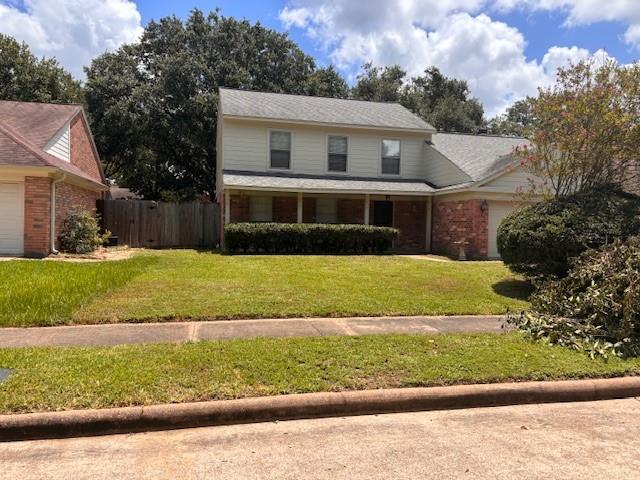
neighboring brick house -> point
(289, 158)
(49, 166)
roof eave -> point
(328, 124)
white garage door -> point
(497, 211)
(11, 218)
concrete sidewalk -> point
(128, 333)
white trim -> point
(328, 190)
(326, 154)
(389, 175)
(227, 207)
(428, 227)
(329, 124)
(276, 169)
(367, 206)
(55, 140)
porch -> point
(410, 214)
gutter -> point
(52, 213)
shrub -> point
(81, 233)
(596, 307)
(540, 240)
(307, 238)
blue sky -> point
(505, 49)
(542, 30)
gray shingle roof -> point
(479, 156)
(238, 179)
(25, 129)
(36, 122)
(300, 108)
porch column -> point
(427, 238)
(227, 207)
(299, 207)
(366, 208)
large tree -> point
(378, 84)
(24, 77)
(326, 82)
(516, 121)
(586, 128)
(444, 102)
(153, 104)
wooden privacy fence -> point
(149, 224)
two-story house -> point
(290, 158)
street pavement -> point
(550, 441)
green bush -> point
(81, 233)
(541, 240)
(595, 307)
(307, 238)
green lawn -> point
(48, 379)
(187, 284)
(36, 292)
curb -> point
(78, 423)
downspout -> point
(52, 213)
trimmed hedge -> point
(542, 240)
(307, 238)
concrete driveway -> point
(552, 441)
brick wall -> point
(460, 220)
(69, 198)
(37, 199)
(239, 208)
(632, 182)
(285, 209)
(82, 153)
(350, 210)
(410, 217)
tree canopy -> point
(23, 77)
(586, 128)
(442, 101)
(153, 104)
(516, 121)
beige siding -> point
(440, 170)
(246, 147)
(512, 181)
(59, 145)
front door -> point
(383, 213)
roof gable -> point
(36, 122)
(319, 110)
(28, 150)
(479, 156)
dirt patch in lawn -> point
(100, 255)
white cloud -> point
(453, 35)
(74, 31)
(586, 12)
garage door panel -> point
(11, 218)
(497, 212)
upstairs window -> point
(280, 150)
(390, 157)
(338, 147)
